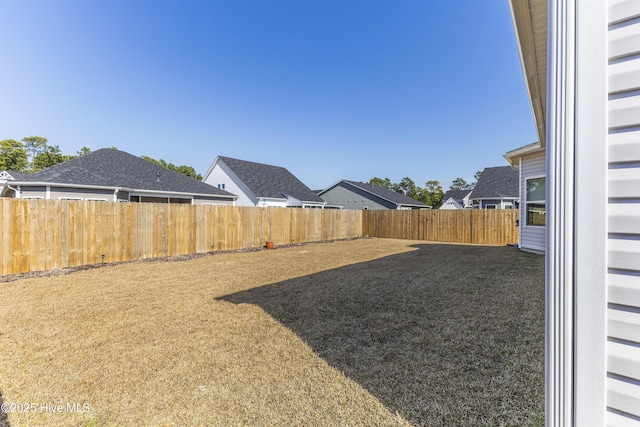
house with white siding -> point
(530, 162)
(581, 62)
(456, 199)
(259, 184)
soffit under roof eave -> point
(530, 25)
(514, 155)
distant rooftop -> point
(497, 182)
(385, 193)
(118, 169)
(270, 181)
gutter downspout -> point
(15, 190)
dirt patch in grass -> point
(366, 332)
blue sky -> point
(329, 89)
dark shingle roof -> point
(270, 181)
(497, 182)
(387, 194)
(457, 195)
(118, 169)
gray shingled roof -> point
(387, 194)
(497, 182)
(118, 169)
(270, 181)
(457, 195)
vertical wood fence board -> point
(17, 234)
(254, 216)
(129, 236)
(220, 229)
(88, 213)
(212, 233)
(204, 230)
(32, 216)
(4, 232)
(169, 229)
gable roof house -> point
(497, 188)
(580, 63)
(111, 175)
(358, 195)
(258, 184)
(456, 199)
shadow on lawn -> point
(443, 335)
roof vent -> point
(157, 176)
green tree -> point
(183, 169)
(407, 187)
(476, 178)
(83, 151)
(34, 146)
(386, 183)
(459, 184)
(433, 194)
(49, 157)
(189, 171)
(13, 156)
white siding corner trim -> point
(576, 214)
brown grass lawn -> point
(365, 332)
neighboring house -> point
(584, 67)
(114, 176)
(456, 199)
(497, 188)
(258, 184)
(530, 163)
(358, 195)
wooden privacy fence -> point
(478, 226)
(48, 234)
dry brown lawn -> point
(365, 332)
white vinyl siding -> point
(221, 174)
(533, 165)
(66, 193)
(201, 200)
(33, 192)
(623, 279)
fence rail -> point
(48, 234)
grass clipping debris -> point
(365, 332)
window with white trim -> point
(536, 204)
